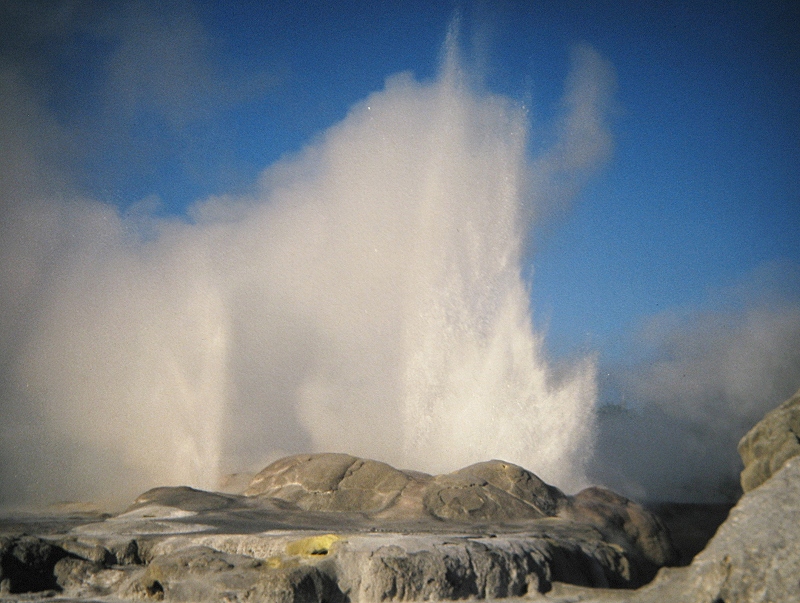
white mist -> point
(415, 262)
(368, 299)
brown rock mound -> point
(331, 483)
(616, 515)
(537, 498)
(493, 492)
(327, 482)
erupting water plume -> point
(368, 298)
(433, 217)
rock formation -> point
(333, 527)
(770, 443)
(27, 564)
(491, 491)
(494, 491)
(337, 528)
(754, 556)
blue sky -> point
(676, 266)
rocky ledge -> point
(333, 527)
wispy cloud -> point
(695, 383)
(137, 90)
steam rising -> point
(698, 381)
(367, 298)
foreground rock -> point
(333, 527)
(495, 492)
(755, 555)
(336, 528)
(767, 446)
(27, 564)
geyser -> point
(368, 298)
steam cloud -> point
(366, 297)
(696, 383)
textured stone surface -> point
(200, 573)
(754, 557)
(26, 564)
(337, 528)
(333, 527)
(330, 482)
(187, 499)
(770, 443)
(519, 483)
(292, 566)
(620, 518)
(691, 525)
(493, 491)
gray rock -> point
(358, 567)
(623, 521)
(91, 551)
(187, 499)
(690, 525)
(331, 482)
(199, 573)
(519, 483)
(235, 483)
(754, 557)
(770, 443)
(491, 530)
(401, 571)
(26, 564)
(465, 498)
(102, 552)
(494, 492)
(82, 578)
(333, 527)
(490, 491)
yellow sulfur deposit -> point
(313, 545)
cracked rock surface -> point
(332, 527)
(493, 492)
(335, 528)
